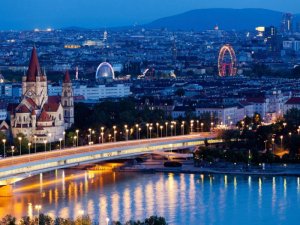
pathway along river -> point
(183, 199)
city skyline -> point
(97, 14)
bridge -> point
(14, 169)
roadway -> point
(54, 154)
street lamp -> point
(166, 123)
(60, 143)
(137, 131)
(175, 127)
(93, 134)
(281, 138)
(182, 127)
(172, 130)
(161, 131)
(192, 125)
(115, 136)
(150, 128)
(29, 147)
(202, 124)
(198, 126)
(64, 133)
(4, 142)
(127, 131)
(109, 138)
(273, 142)
(102, 137)
(157, 129)
(75, 141)
(77, 132)
(115, 133)
(34, 143)
(147, 125)
(20, 141)
(107, 221)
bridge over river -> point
(17, 168)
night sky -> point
(28, 14)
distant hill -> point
(226, 19)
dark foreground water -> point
(183, 199)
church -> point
(42, 118)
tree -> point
(25, 221)
(45, 220)
(154, 220)
(292, 117)
(83, 220)
(8, 220)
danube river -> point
(183, 199)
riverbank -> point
(224, 168)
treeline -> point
(255, 143)
(43, 219)
(260, 70)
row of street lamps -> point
(172, 126)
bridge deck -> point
(14, 168)
(16, 160)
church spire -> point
(67, 78)
(34, 69)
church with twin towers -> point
(39, 117)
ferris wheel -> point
(227, 68)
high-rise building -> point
(270, 31)
(287, 23)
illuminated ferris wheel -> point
(228, 67)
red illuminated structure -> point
(227, 68)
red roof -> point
(67, 77)
(293, 101)
(51, 107)
(44, 117)
(3, 128)
(54, 99)
(34, 69)
(31, 102)
(23, 109)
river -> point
(183, 199)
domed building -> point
(105, 72)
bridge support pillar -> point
(6, 191)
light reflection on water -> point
(181, 198)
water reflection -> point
(181, 198)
